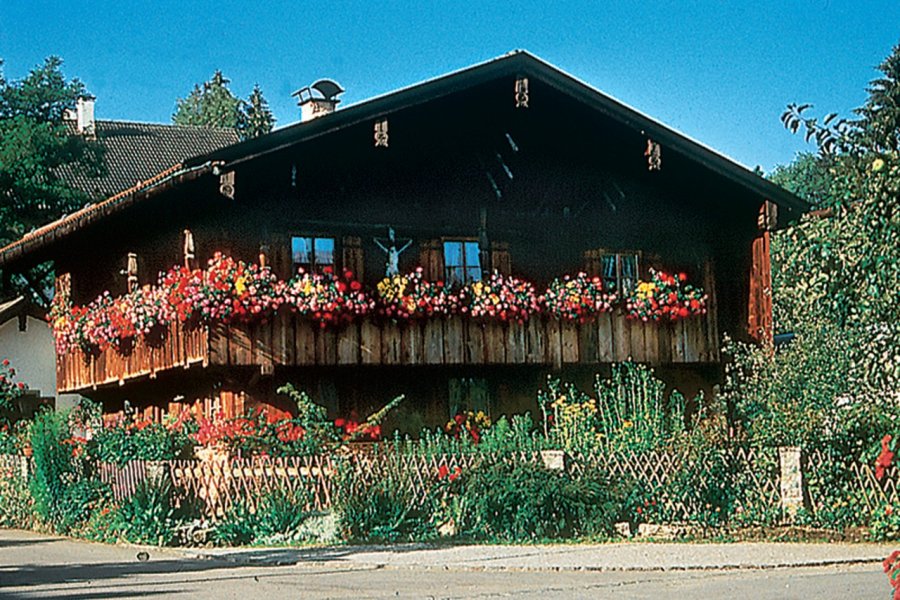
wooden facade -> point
(544, 188)
(290, 341)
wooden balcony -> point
(287, 341)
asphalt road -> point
(33, 566)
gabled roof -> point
(136, 152)
(514, 64)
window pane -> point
(324, 251)
(629, 271)
(473, 258)
(473, 274)
(608, 271)
(301, 250)
(453, 254)
(455, 276)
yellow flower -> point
(627, 424)
(877, 164)
(240, 286)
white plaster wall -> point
(31, 353)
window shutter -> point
(592, 263)
(431, 259)
(352, 255)
(759, 321)
(500, 259)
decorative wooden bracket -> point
(654, 156)
(768, 216)
(188, 249)
(521, 94)
(381, 133)
(131, 271)
(226, 184)
(63, 290)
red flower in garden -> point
(455, 474)
(443, 471)
(884, 459)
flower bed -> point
(229, 291)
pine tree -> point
(259, 119)
(210, 105)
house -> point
(510, 167)
(27, 343)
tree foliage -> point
(836, 278)
(213, 104)
(35, 144)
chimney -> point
(318, 99)
(84, 116)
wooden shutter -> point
(593, 263)
(352, 255)
(500, 259)
(759, 310)
(431, 259)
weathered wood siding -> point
(289, 340)
(180, 347)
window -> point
(312, 254)
(619, 272)
(462, 262)
(469, 393)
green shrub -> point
(521, 502)
(152, 515)
(139, 441)
(383, 512)
(61, 483)
(16, 504)
(278, 519)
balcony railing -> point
(288, 340)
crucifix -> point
(389, 247)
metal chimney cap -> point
(327, 89)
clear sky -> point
(721, 72)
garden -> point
(620, 460)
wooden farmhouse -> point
(509, 167)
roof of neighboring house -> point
(515, 64)
(18, 306)
(136, 152)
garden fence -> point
(761, 478)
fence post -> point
(23, 467)
(791, 482)
(555, 460)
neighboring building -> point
(510, 166)
(136, 152)
(27, 343)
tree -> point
(35, 147)
(259, 119)
(212, 104)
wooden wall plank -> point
(569, 332)
(553, 339)
(434, 341)
(588, 343)
(348, 345)
(475, 342)
(621, 337)
(535, 348)
(412, 343)
(304, 341)
(636, 334)
(651, 341)
(494, 343)
(390, 343)
(605, 341)
(454, 340)
(326, 346)
(678, 341)
(515, 343)
(369, 343)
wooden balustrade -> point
(290, 340)
(179, 346)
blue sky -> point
(720, 72)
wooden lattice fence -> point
(831, 477)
